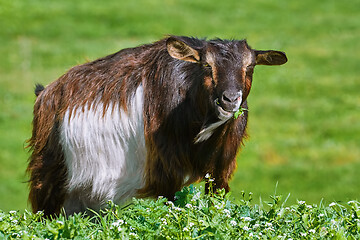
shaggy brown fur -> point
(182, 78)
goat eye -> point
(250, 69)
(207, 66)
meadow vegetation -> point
(304, 122)
(193, 215)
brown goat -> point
(144, 122)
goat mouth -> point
(221, 113)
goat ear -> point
(270, 57)
(178, 49)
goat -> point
(142, 122)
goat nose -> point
(231, 100)
(231, 97)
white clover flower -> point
(185, 229)
(226, 211)
(12, 212)
(233, 223)
(256, 226)
(188, 205)
(246, 228)
(211, 180)
(163, 220)
(40, 213)
(218, 206)
(268, 225)
(246, 219)
(312, 231)
(160, 197)
(332, 204)
(321, 215)
(309, 206)
(191, 224)
(132, 234)
(251, 234)
(303, 234)
(207, 175)
(196, 196)
(117, 223)
(302, 202)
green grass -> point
(304, 122)
(194, 216)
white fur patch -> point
(104, 153)
(207, 131)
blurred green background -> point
(304, 122)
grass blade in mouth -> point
(239, 112)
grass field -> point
(193, 215)
(304, 116)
